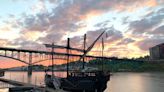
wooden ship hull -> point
(80, 81)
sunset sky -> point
(133, 26)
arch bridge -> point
(32, 57)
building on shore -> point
(157, 52)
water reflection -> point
(136, 82)
(120, 82)
(37, 78)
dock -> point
(16, 83)
(21, 86)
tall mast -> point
(52, 60)
(102, 54)
(84, 49)
(68, 46)
(91, 46)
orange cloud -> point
(91, 14)
(151, 3)
(135, 5)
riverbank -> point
(135, 67)
(128, 66)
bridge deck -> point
(49, 53)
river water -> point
(120, 82)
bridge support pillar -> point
(29, 70)
(30, 65)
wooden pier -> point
(16, 83)
(20, 86)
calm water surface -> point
(120, 82)
(136, 82)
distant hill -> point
(25, 68)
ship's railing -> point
(92, 73)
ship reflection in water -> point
(120, 82)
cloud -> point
(3, 42)
(52, 36)
(110, 36)
(148, 43)
(158, 31)
(26, 44)
(68, 12)
(39, 22)
(39, 6)
(160, 11)
(113, 34)
(147, 31)
(102, 24)
(126, 41)
(66, 16)
(145, 25)
(101, 6)
(9, 33)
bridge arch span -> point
(14, 59)
(47, 59)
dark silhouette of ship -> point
(2, 72)
(78, 81)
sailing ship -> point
(78, 81)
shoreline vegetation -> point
(131, 66)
